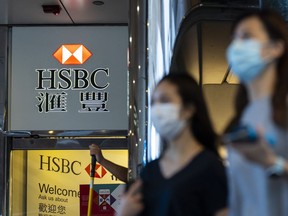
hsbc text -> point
(62, 165)
(71, 78)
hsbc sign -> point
(71, 78)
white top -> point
(251, 191)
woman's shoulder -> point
(212, 168)
(211, 161)
(209, 156)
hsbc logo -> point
(100, 171)
(54, 84)
(72, 54)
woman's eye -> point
(243, 36)
(246, 35)
(165, 100)
(161, 101)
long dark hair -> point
(191, 94)
(277, 30)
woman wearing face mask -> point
(189, 178)
(258, 171)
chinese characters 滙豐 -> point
(57, 102)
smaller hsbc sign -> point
(79, 79)
(54, 178)
(62, 165)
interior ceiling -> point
(14, 12)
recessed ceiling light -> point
(98, 3)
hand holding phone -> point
(241, 134)
(246, 134)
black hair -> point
(191, 94)
(276, 28)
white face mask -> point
(166, 119)
(245, 58)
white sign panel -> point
(69, 78)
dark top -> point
(199, 189)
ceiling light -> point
(99, 3)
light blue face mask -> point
(244, 57)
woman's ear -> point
(279, 48)
(188, 111)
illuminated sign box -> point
(55, 178)
(69, 78)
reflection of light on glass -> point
(51, 132)
(138, 8)
(155, 144)
(162, 30)
(128, 62)
(144, 153)
(130, 39)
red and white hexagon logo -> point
(72, 54)
(100, 171)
